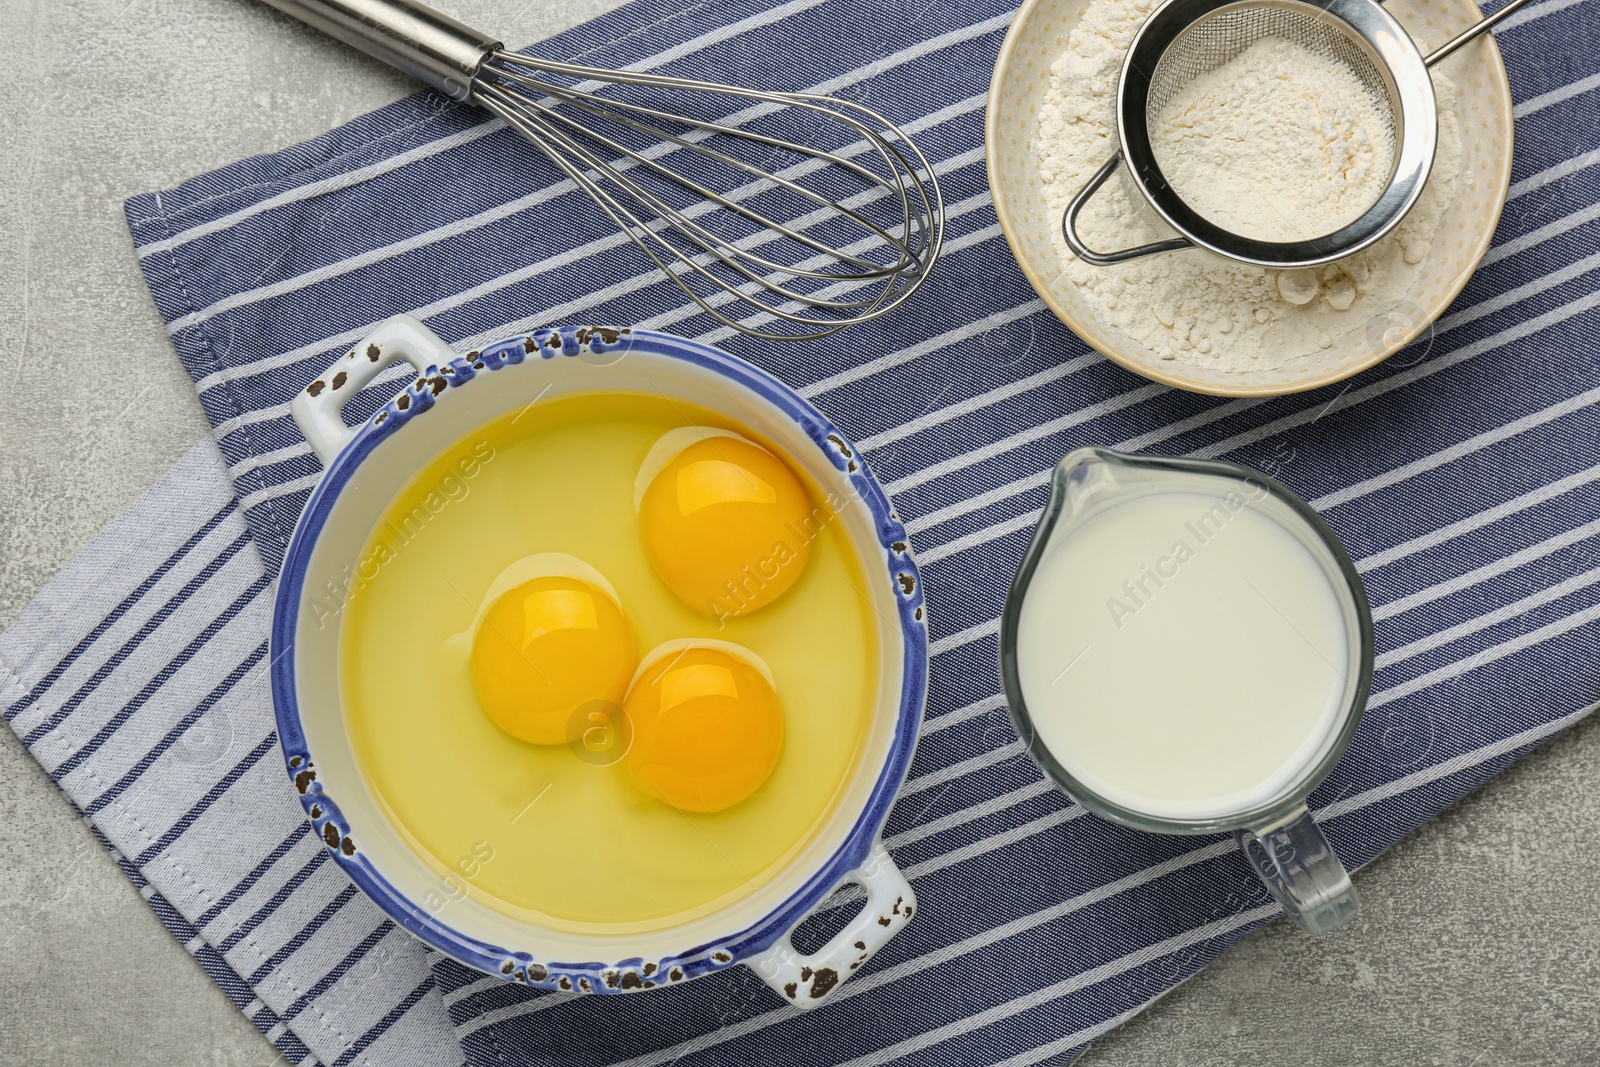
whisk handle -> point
(428, 45)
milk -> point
(1183, 654)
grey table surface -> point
(1480, 941)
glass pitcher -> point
(1274, 828)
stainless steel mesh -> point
(1184, 39)
(1214, 39)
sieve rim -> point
(1398, 60)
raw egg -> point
(726, 524)
(707, 725)
(549, 639)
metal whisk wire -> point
(819, 258)
(530, 107)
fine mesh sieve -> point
(1183, 39)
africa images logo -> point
(337, 593)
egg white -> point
(522, 571)
(666, 449)
(674, 647)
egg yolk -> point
(727, 526)
(544, 650)
(707, 730)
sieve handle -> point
(1448, 49)
(1069, 226)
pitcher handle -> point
(317, 409)
(806, 980)
(1069, 226)
(1297, 864)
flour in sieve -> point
(1280, 143)
(1193, 306)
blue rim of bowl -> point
(626, 975)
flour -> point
(1193, 306)
(1280, 143)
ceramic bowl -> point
(1038, 37)
(367, 466)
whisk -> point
(811, 237)
(1183, 39)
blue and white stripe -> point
(1461, 476)
(137, 679)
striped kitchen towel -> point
(138, 680)
(1461, 475)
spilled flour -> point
(1198, 308)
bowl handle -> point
(317, 408)
(806, 980)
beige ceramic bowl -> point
(1038, 37)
